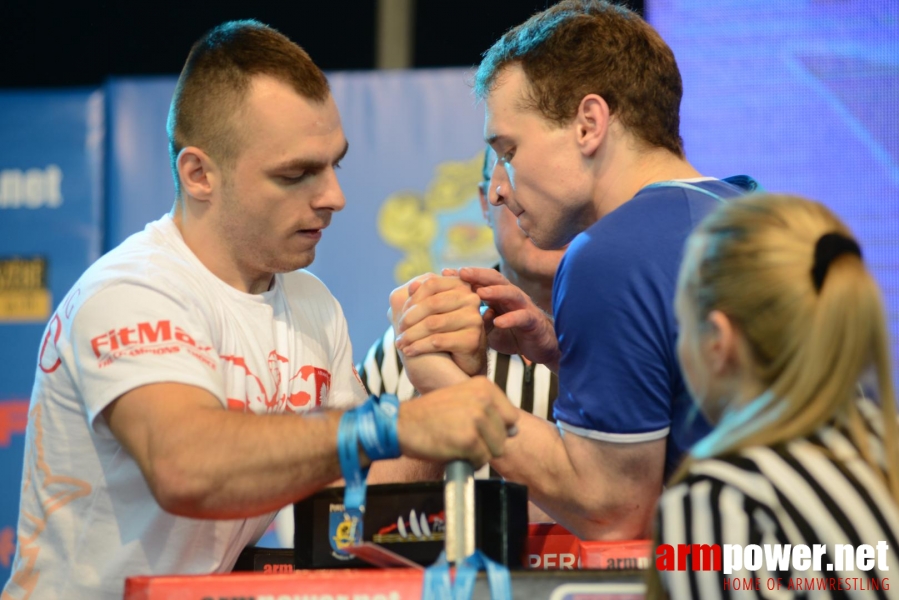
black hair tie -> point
(829, 247)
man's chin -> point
(294, 263)
(546, 243)
(529, 233)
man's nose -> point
(498, 187)
(332, 197)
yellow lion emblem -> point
(345, 535)
(442, 228)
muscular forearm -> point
(592, 499)
(227, 466)
(202, 461)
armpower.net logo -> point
(741, 563)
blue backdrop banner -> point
(51, 160)
(803, 96)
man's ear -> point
(198, 173)
(592, 122)
(721, 343)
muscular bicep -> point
(640, 462)
(154, 422)
(623, 481)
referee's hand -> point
(514, 323)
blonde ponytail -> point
(753, 260)
(812, 337)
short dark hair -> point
(217, 76)
(580, 47)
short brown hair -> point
(216, 78)
(580, 47)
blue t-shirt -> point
(619, 378)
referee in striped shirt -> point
(779, 321)
(530, 386)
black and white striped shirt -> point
(531, 387)
(817, 490)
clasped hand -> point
(438, 317)
(441, 337)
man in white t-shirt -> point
(162, 436)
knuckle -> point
(434, 322)
(481, 386)
(470, 443)
(399, 294)
(429, 284)
(437, 304)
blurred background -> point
(802, 95)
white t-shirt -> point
(150, 312)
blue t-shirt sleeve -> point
(619, 378)
(618, 373)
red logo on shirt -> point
(322, 380)
(307, 388)
(159, 337)
(48, 359)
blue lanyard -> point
(372, 424)
(437, 584)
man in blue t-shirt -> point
(582, 109)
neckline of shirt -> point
(695, 179)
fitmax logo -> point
(33, 188)
(144, 333)
(160, 337)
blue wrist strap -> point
(377, 427)
(437, 579)
(372, 424)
